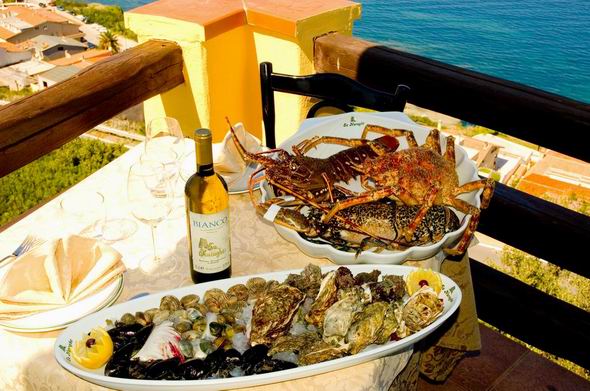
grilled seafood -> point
(385, 221)
(418, 175)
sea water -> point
(541, 43)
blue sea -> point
(542, 43)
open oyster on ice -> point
(422, 309)
(366, 329)
(327, 296)
(273, 313)
(340, 315)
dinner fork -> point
(27, 244)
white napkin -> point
(227, 159)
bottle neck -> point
(205, 169)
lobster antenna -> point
(237, 142)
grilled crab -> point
(273, 313)
(418, 175)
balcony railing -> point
(40, 123)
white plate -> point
(451, 299)
(59, 318)
(350, 125)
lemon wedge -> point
(94, 349)
(421, 277)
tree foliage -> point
(108, 41)
(109, 16)
(51, 174)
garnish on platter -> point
(94, 349)
(423, 277)
(266, 326)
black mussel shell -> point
(138, 369)
(122, 335)
(192, 370)
(118, 364)
(252, 357)
(163, 369)
(142, 335)
(232, 359)
(214, 361)
(216, 328)
(272, 365)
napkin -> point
(57, 273)
(227, 159)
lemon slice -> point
(421, 277)
(94, 349)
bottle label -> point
(210, 241)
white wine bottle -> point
(207, 211)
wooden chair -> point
(334, 91)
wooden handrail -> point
(537, 226)
(40, 123)
(528, 113)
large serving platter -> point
(451, 297)
(351, 125)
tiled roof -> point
(44, 42)
(33, 16)
(88, 57)
(10, 47)
(5, 34)
(61, 73)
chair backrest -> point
(333, 89)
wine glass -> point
(164, 133)
(149, 192)
(82, 212)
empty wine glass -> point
(164, 133)
(149, 192)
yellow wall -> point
(222, 73)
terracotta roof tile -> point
(10, 47)
(86, 58)
(5, 34)
(33, 16)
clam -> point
(189, 301)
(127, 318)
(199, 325)
(240, 291)
(186, 348)
(183, 325)
(161, 316)
(216, 328)
(215, 299)
(190, 335)
(170, 303)
(142, 318)
(193, 314)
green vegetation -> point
(422, 120)
(51, 174)
(552, 280)
(109, 16)
(108, 41)
(11, 96)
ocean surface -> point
(541, 43)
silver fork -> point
(27, 244)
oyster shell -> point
(365, 329)
(273, 313)
(363, 278)
(392, 321)
(340, 315)
(308, 281)
(344, 278)
(240, 291)
(325, 298)
(293, 343)
(321, 351)
(422, 309)
(391, 288)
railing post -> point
(223, 44)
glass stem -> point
(156, 257)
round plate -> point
(351, 125)
(451, 298)
(60, 318)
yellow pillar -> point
(223, 44)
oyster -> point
(308, 281)
(256, 286)
(391, 288)
(293, 343)
(325, 298)
(339, 316)
(321, 351)
(273, 313)
(363, 278)
(422, 309)
(366, 328)
(344, 278)
(392, 321)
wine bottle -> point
(207, 211)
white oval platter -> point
(451, 297)
(351, 125)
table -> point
(27, 360)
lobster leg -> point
(307, 145)
(375, 195)
(467, 208)
(391, 132)
(252, 182)
(488, 186)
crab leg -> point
(409, 231)
(433, 141)
(466, 208)
(391, 132)
(450, 150)
(488, 186)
